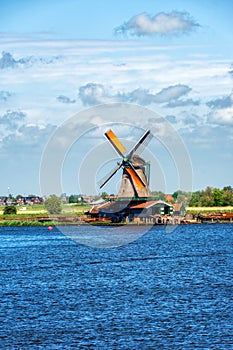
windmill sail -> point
(141, 144)
(107, 177)
(134, 180)
(115, 142)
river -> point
(161, 291)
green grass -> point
(195, 210)
(39, 209)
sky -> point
(164, 66)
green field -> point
(195, 210)
(38, 209)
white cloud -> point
(172, 93)
(92, 94)
(148, 75)
(65, 99)
(26, 136)
(162, 24)
(10, 120)
(183, 103)
(222, 102)
(222, 116)
(8, 61)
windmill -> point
(134, 183)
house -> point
(3, 200)
(151, 208)
(117, 210)
(179, 209)
(86, 199)
(32, 200)
(122, 210)
(19, 200)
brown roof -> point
(95, 208)
(177, 206)
(143, 205)
(169, 197)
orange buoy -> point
(50, 228)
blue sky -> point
(60, 58)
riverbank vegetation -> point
(209, 197)
(39, 209)
(26, 223)
(207, 210)
(212, 197)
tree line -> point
(209, 197)
(212, 197)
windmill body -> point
(134, 183)
(129, 187)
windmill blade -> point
(107, 177)
(115, 142)
(141, 144)
(134, 175)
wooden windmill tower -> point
(134, 183)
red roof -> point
(177, 206)
(169, 197)
(143, 205)
(94, 210)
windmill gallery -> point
(134, 202)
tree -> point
(11, 197)
(9, 210)
(217, 194)
(228, 188)
(158, 195)
(53, 205)
(212, 197)
(195, 199)
(227, 195)
(18, 196)
(104, 194)
(175, 194)
(73, 198)
(207, 199)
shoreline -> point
(74, 220)
(110, 224)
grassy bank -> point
(36, 215)
(206, 210)
(26, 223)
(39, 209)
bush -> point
(53, 205)
(9, 210)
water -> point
(162, 291)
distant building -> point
(169, 198)
(30, 200)
(87, 199)
(179, 209)
(33, 200)
(3, 200)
